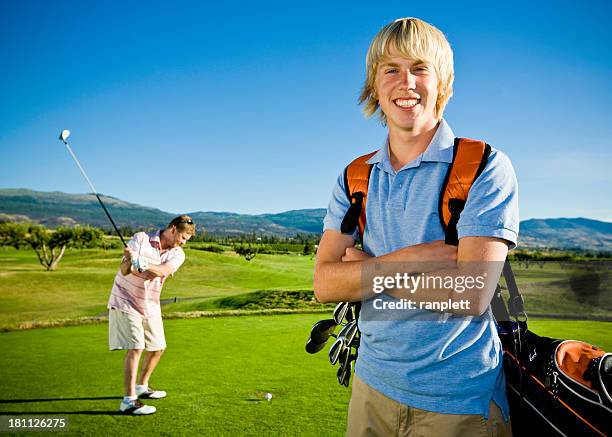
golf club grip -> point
(112, 221)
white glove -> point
(141, 264)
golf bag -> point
(554, 387)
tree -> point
(247, 251)
(49, 246)
(13, 234)
(308, 248)
(86, 236)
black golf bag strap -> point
(516, 303)
(470, 157)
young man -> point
(135, 321)
(425, 373)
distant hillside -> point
(567, 233)
(285, 224)
(56, 208)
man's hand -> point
(353, 254)
(126, 262)
(128, 254)
(436, 251)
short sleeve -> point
(176, 259)
(337, 207)
(491, 209)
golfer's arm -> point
(161, 270)
(476, 257)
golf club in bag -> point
(139, 263)
(344, 350)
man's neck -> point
(406, 145)
(163, 241)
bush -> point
(214, 248)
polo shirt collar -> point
(440, 149)
(155, 240)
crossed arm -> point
(340, 269)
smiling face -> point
(407, 92)
(417, 53)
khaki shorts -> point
(373, 414)
(128, 331)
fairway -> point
(216, 372)
(81, 285)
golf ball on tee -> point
(268, 396)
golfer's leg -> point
(149, 363)
(132, 357)
(155, 343)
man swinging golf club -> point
(135, 321)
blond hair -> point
(183, 224)
(416, 40)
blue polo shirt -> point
(441, 364)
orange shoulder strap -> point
(469, 160)
(356, 180)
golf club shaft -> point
(111, 220)
(95, 192)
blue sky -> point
(251, 107)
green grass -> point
(81, 285)
(216, 371)
(596, 333)
(211, 281)
(256, 300)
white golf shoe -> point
(136, 408)
(150, 393)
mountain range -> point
(56, 208)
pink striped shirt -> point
(136, 295)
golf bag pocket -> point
(574, 371)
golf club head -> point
(340, 312)
(312, 347)
(322, 330)
(349, 331)
(63, 136)
(336, 349)
(345, 369)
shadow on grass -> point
(62, 413)
(86, 412)
(24, 401)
